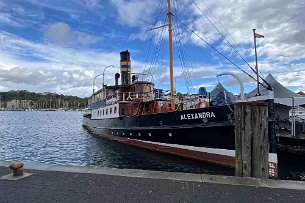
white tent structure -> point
(296, 101)
(284, 98)
(219, 88)
(282, 95)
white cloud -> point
(205, 84)
(8, 19)
(84, 38)
(135, 12)
(61, 33)
(53, 67)
(57, 5)
(282, 22)
(4, 89)
(293, 78)
(93, 4)
(64, 69)
(7, 61)
(230, 80)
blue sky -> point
(59, 46)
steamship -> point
(135, 113)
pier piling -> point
(251, 139)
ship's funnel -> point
(125, 68)
(117, 76)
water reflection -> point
(59, 138)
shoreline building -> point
(18, 104)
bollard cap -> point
(16, 165)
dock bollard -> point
(17, 167)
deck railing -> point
(133, 96)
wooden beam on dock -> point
(251, 139)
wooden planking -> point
(251, 140)
(243, 136)
(260, 143)
(238, 143)
(246, 139)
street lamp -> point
(100, 75)
(94, 82)
(104, 72)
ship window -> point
(114, 109)
(110, 110)
(146, 88)
(138, 88)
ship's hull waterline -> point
(201, 134)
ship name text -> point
(192, 116)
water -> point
(59, 138)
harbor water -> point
(58, 138)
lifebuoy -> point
(202, 104)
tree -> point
(42, 100)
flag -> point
(258, 35)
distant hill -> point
(45, 99)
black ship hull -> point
(205, 134)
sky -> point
(60, 46)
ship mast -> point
(170, 41)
